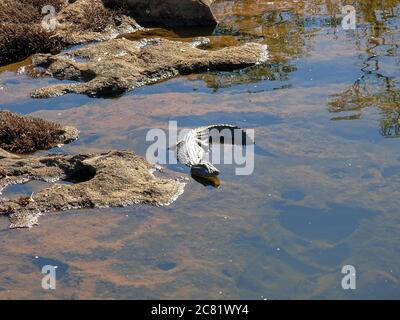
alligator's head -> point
(204, 169)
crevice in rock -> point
(112, 179)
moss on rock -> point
(24, 134)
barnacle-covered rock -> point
(112, 179)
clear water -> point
(324, 195)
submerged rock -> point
(170, 12)
(25, 134)
(113, 67)
(113, 179)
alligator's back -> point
(191, 150)
(224, 133)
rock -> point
(169, 12)
(22, 32)
(84, 21)
(113, 67)
(25, 134)
(113, 179)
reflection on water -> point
(377, 83)
(324, 192)
(208, 181)
(24, 190)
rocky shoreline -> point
(22, 32)
(112, 179)
(110, 64)
(113, 67)
(76, 22)
(107, 65)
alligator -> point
(191, 150)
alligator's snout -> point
(204, 169)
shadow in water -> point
(334, 223)
(207, 181)
(380, 72)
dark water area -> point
(326, 106)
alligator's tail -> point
(225, 134)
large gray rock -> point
(113, 67)
(170, 12)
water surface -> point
(327, 108)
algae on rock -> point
(25, 134)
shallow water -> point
(324, 193)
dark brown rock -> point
(169, 12)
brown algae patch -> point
(25, 134)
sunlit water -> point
(324, 193)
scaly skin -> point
(192, 149)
